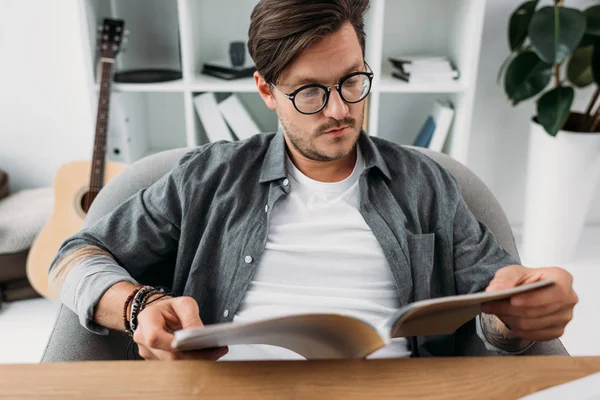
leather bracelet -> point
(151, 293)
(135, 308)
(126, 306)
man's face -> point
(326, 62)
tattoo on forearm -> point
(499, 336)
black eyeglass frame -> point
(291, 96)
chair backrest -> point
(69, 341)
(481, 201)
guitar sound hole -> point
(87, 199)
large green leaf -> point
(505, 64)
(588, 40)
(592, 15)
(519, 23)
(579, 69)
(554, 107)
(555, 34)
(596, 64)
(526, 76)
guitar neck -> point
(98, 159)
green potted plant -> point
(554, 53)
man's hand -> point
(158, 321)
(539, 315)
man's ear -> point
(264, 89)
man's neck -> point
(325, 171)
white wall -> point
(499, 143)
(46, 117)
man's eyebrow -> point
(304, 80)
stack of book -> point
(436, 127)
(224, 69)
(222, 120)
(423, 69)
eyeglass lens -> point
(312, 98)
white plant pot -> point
(562, 174)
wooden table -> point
(442, 378)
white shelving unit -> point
(183, 34)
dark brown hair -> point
(282, 29)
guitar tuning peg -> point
(126, 33)
(125, 40)
(100, 28)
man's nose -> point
(336, 108)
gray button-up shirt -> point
(201, 230)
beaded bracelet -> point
(135, 306)
(126, 306)
(140, 302)
(151, 293)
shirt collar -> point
(273, 166)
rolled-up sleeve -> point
(139, 234)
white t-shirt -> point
(320, 256)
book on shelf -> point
(423, 69)
(211, 118)
(426, 78)
(333, 336)
(436, 127)
(238, 118)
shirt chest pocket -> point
(421, 249)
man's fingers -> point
(208, 354)
(537, 298)
(151, 332)
(156, 354)
(146, 353)
(504, 308)
(187, 311)
(545, 296)
(560, 318)
(509, 277)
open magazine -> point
(330, 336)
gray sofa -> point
(71, 342)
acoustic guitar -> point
(77, 183)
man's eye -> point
(351, 82)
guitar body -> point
(71, 185)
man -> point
(317, 217)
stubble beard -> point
(305, 145)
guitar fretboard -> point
(97, 172)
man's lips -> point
(337, 132)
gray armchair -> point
(69, 341)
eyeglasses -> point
(311, 99)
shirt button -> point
(248, 259)
(226, 313)
(286, 182)
(267, 208)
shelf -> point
(185, 34)
(389, 84)
(206, 83)
(171, 86)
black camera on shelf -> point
(237, 53)
(234, 67)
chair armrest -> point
(69, 341)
